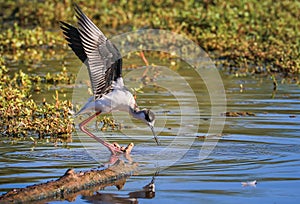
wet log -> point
(70, 183)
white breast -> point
(117, 100)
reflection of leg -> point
(127, 153)
(113, 149)
(114, 158)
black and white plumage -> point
(102, 58)
(104, 64)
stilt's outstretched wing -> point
(103, 60)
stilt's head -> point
(147, 117)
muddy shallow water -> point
(263, 146)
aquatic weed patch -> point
(242, 36)
(28, 47)
(21, 116)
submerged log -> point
(70, 183)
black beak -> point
(155, 137)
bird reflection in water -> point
(147, 192)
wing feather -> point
(102, 58)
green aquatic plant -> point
(242, 36)
(62, 77)
(21, 116)
(106, 123)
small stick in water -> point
(249, 183)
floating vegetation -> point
(217, 136)
(106, 123)
(242, 36)
(238, 114)
(62, 77)
(28, 46)
(21, 116)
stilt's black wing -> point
(103, 60)
(73, 37)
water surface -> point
(263, 147)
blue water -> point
(264, 147)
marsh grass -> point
(243, 36)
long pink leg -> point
(113, 149)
